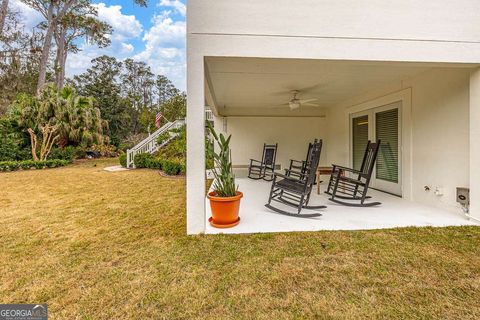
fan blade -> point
(307, 100)
(289, 89)
(311, 104)
(308, 89)
(282, 93)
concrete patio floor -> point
(392, 213)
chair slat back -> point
(313, 161)
(369, 158)
(269, 154)
(309, 154)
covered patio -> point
(394, 212)
(422, 109)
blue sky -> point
(155, 35)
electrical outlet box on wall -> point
(438, 191)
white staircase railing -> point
(208, 114)
(150, 145)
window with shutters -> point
(386, 127)
(360, 139)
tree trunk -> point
(3, 15)
(63, 61)
(60, 59)
(42, 73)
(33, 144)
(48, 139)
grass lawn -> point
(100, 245)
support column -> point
(195, 143)
(475, 144)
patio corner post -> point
(195, 143)
(475, 144)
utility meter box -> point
(463, 196)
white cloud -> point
(29, 16)
(176, 4)
(165, 48)
(124, 26)
(127, 47)
(164, 41)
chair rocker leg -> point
(349, 204)
(268, 177)
(292, 214)
(256, 175)
(289, 203)
(348, 198)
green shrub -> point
(123, 160)
(29, 164)
(155, 163)
(13, 146)
(163, 137)
(141, 160)
(173, 168)
(170, 167)
(68, 153)
(80, 153)
(105, 150)
(176, 149)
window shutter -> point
(386, 124)
(360, 139)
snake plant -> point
(224, 184)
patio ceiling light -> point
(294, 104)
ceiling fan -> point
(296, 103)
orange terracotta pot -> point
(224, 210)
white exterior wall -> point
(439, 133)
(437, 20)
(291, 133)
(475, 144)
(374, 30)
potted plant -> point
(225, 197)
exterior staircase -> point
(150, 145)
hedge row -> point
(123, 160)
(29, 164)
(146, 160)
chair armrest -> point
(335, 166)
(253, 160)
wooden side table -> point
(322, 171)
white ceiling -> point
(254, 86)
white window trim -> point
(405, 96)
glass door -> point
(382, 123)
(387, 175)
(360, 137)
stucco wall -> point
(368, 19)
(292, 135)
(439, 132)
(440, 119)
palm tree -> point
(79, 121)
(67, 118)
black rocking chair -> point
(300, 165)
(295, 190)
(264, 169)
(355, 186)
